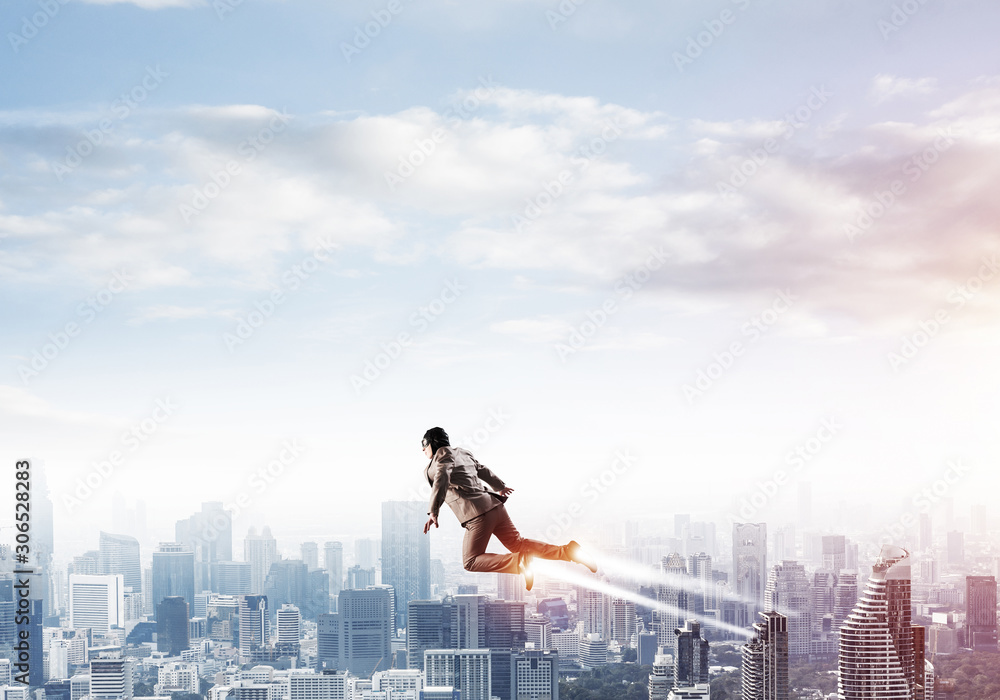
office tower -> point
(590, 606)
(111, 678)
(172, 625)
(365, 631)
(465, 670)
(173, 573)
(469, 621)
(646, 648)
(824, 595)
(956, 548)
(333, 561)
(430, 627)
(328, 686)
(980, 519)
(765, 660)
(700, 571)
(231, 577)
(538, 631)
(834, 552)
(260, 551)
(661, 680)
(690, 655)
(406, 555)
(208, 534)
(87, 563)
(286, 583)
(622, 621)
(877, 656)
(310, 554)
(784, 543)
(672, 593)
(254, 624)
(97, 602)
(367, 552)
(119, 554)
(924, 532)
(981, 615)
(358, 578)
(749, 568)
(845, 598)
(787, 592)
(58, 661)
(593, 651)
(535, 676)
(317, 599)
(289, 625)
(504, 625)
(510, 587)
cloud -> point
(885, 87)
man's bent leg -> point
(477, 537)
(508, 535)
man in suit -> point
(454, 476)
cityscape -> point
(688, 608)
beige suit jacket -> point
(454, 476)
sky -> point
(641, 258)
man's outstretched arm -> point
(492, 479)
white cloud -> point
(885, 87)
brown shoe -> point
(524, 564)
(576, 554)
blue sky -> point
(547, 167)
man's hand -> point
(433, 520)
(506, 492)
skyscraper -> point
(172, 625)
(430, 626)
(956, 548)
(834, 552)
(787, 592)
(231, 577)
(119, 554)
(209, 535)
(750, 567)
(877, 656)
(97, 602)
(924, 532)
(112, 678)
(254, 624)
(700, 570)
(981, 615)
(672, 593)
(535, 675)
(289, 625)
(173, 573)
(466, 670)
(310, 554)
(765, 660)
(406, 555)
(365, 631)
(333, 560)
(510, 587)
(260, 551)
(690, 655)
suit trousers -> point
(496, 522)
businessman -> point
(454, 476)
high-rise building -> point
(367, 552)
(700, 571)
(834, 552)
(231, 577)
(956, 548)
(622, 621)
(254, 624)
(358, 578)
(661, 680)
(97, 602)
(845, 597)
(112, 678)
(310, 554)
(924, 532)
(877, 656)
(765, 660)
(430, 626)
(535, 676)
(672, 593)
(173, 573)
(787, 592)
(510, 587)
(333, 560)
(465, 670)
(406, 554)
(470, 621)
(538, 631)
(981, 613)
(119, 554)
(172, 625)
(749, 568)
(591, 610)
(260, 551)
(690, 655)
(360, 633)
(592, 650)
(503, 625)
(209, 535)
(289, 624)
